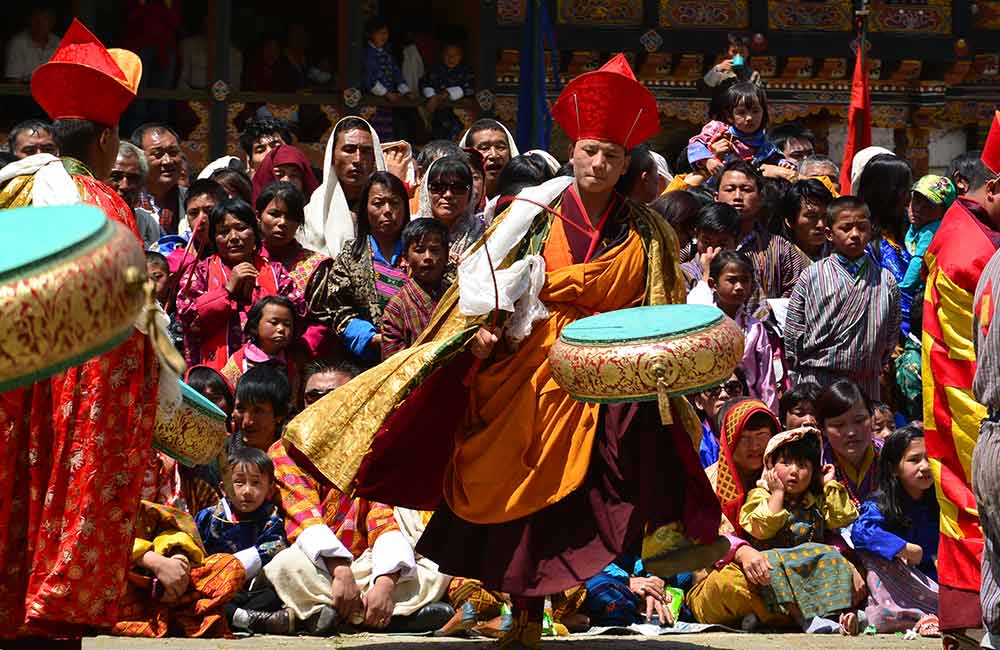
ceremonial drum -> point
(70, 289)
(194, 433)
(639, 354)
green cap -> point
(936, 189)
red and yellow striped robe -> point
(955, 259)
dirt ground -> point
(721, 641)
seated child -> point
(425, 248)
(250, 528)
(883, 421)
(896, 536)
(450, 79)
(159, 272)
(741, 135)
(262, 399)
(843, 315)
(175, 587)
(845, 416)
(716, 229)
(381, 76)
(788, 515)
(269, 331)
(798, 406)
(211, 385)
(731, 281)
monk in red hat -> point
(533, 491)
(968, 237)
(78, 441)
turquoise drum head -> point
(639, 324)
(32, 237)
(201, 403)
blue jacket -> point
(254, 539)
(870, 532)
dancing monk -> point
(540, 491)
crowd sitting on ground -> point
(282, 286)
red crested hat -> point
(608, 104)
(991, 150)
(85, 80)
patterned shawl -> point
(728, 487)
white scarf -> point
(519, 284)
(329, 223)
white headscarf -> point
(216, 165)
(550, 160)
(662, 168)
(858, 164)
(510, 140)
(329, 223)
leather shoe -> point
(322, 623)
(280, 622)
(427, 619)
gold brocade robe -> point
(525, 442)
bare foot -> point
(849, 624)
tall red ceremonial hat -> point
(85, 80)
(608, 104)
(991, 150)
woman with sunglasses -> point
(708, 404)
(368, 273)
(449, 199)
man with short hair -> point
(794, 141)
(259, 137)
(353, 153)
(128, 177)
(818, 165)
(968, 172)
(78, 440)
(776, 265)
(963, 245)
(30, 137)
(163, 196)
(495, 143)
(640, 182)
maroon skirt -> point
(642, 475)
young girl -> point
(213, 305)
(845, 415)
(788, 515)
(730, 278)
(270, 330)
(896, 536)
(740, 136)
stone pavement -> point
(707, 641)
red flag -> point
(859, 118)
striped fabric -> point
(986, 482)
(405, 317)
(777, 266)
(841, 325)
(357, 523)
(388, 280)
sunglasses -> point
(732, 388)
(456, 187)
(315, 394)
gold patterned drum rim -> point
(64, 310)
(622, 371)
(194, 433)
